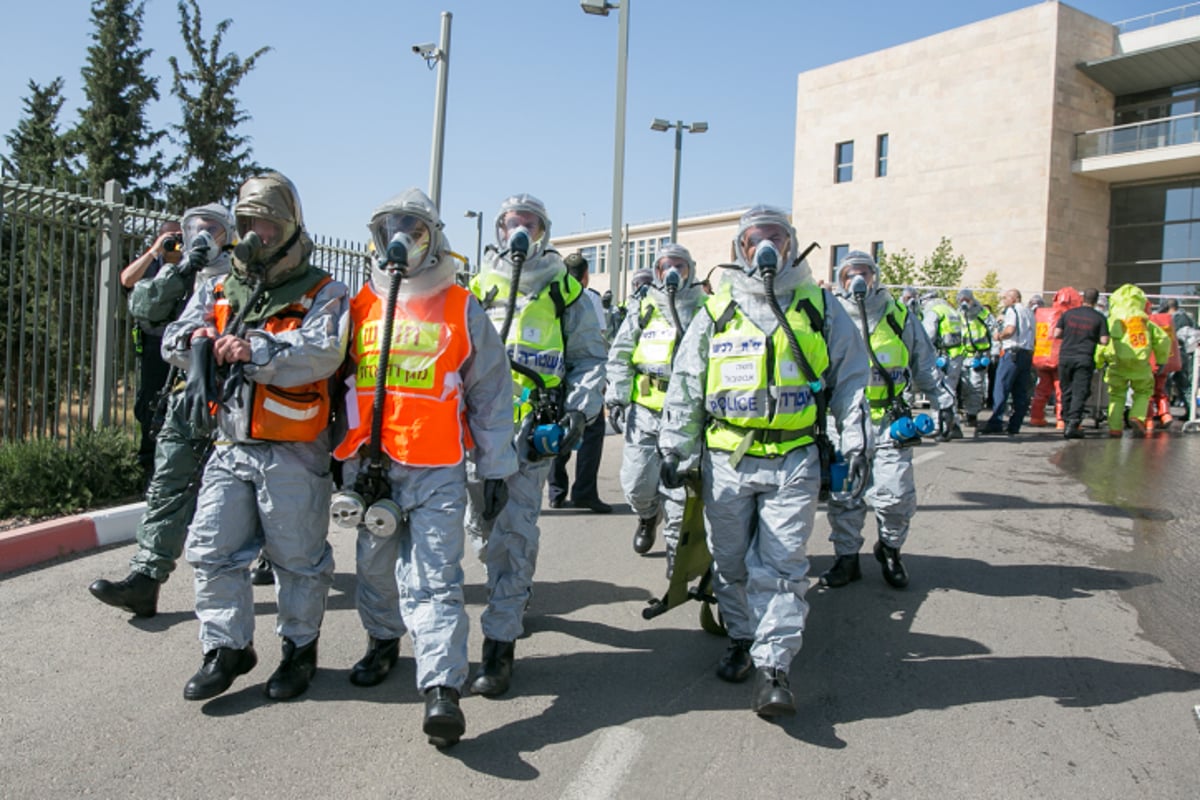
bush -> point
(41, 478)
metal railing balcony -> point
(1158, 18)
(1138, 136)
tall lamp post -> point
(601, 8)
(478, 217)
(663, 125)
(438, 54)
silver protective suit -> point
(974, 381)
(760, 513)
(640, 462)
(508, 545)
(413, 580)
(264, 494)
(932, 322)
(892, 492)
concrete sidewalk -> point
(44, 541)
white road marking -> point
(928, 456)
(605, 767)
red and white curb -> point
(43, 541)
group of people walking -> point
(441, 408)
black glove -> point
(668, 472)
(201, 389)
(858, 474)
(616, 415)
(947, 421)
(573, 423)
(196, 260)
(495, 497)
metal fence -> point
(65, 334)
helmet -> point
(764, 223)
(523, 211)
(213, 219)
(268, 207)
(857, 262)
(674, 256)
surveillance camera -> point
(427, 50)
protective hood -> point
(271, 197)
(535, 272)
(688, 297)
(216, 220)
(751, 294)
(1128, 301)
(411, 217)
(765, 216)
(528, 206)
(857, 258)
(1067, 298)
(875, 303)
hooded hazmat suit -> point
(740, 408)
(977, 323)
(1045, 357)
(556, 351)
(901, 345)
(1133, 339)
(944, 329)
(639, 369)
(448, 393)
(267, 482)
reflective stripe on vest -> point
(535, 336)
(892, 355)
(949, 327)
(754, 384)
(278, 413)
(652, 358)
(424, 421)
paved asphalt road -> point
(1047, 647)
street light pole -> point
(478, 215)
(601, 8)
(439, 114)
(680, 127)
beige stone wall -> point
(969, 114)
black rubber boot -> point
(295, 671)
(444, 720)
(893, 571)
(262, 573)
(736, 664)
(772, 696)
(217, 672)
(643, 537)
(844, 570)
(137, 594)
(373, 667)
(495, 670)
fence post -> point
(106, 307)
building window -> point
(1154, 237)
(881, 155)
(844, 162)
(837, 253)
(602, 261)
(589, 255)
(876, 251)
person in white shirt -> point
(1013, 370)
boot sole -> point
(240, 671)
(776, 709)
(444, 731)
(487, 690)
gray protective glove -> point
(616, 415)
(858, 474)
(668, 471)
(573, 423)
(947, 420)
(495, 497)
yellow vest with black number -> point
(892, 354)
(754, 386)
(652, 356)
(535, 336)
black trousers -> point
(1075, 378)
(587, 467)
(153, 375)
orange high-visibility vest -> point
(424, 417)
(283, 413)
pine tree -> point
(215, 160)
(114, 137)
(37, 148)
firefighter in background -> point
(977, 323)
(1045, 357)
(1158, 413)
(944, 327)
(1135, 344)
(556, 352)
(639, 368)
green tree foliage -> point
(38, 150)
(898, 269)
(943, 267)
(991, 299)
(215, 160)
(113, 135)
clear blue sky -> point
(345, 108)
